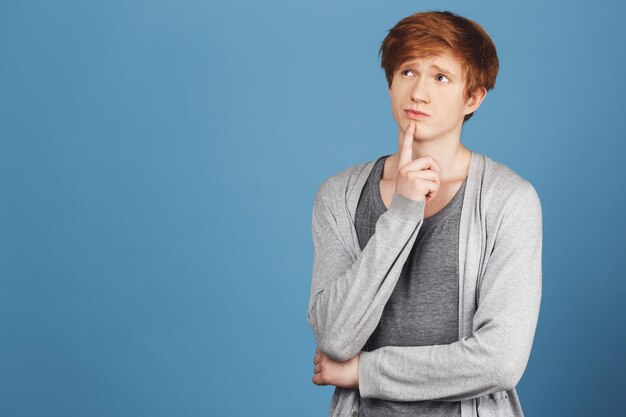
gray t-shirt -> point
(423, 308)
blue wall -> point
(158, 162)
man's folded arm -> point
(495, 356)
(348, 295)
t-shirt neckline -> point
(435, 218)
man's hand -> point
(416, 179)
(330, 372)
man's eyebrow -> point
(441, 69)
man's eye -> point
(441, 75)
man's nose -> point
(420, 92)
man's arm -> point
(495, 357)
(347, 296)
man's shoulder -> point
(339, 183)
(501, 184)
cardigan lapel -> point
(471, 244)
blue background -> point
(158, 163)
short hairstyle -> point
(435, 32)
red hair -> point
(435, 32)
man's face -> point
(433, 85)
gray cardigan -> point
(500, 244)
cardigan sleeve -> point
(347, 295)
(495, 356)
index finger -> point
(405, 153)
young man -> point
(426, 281)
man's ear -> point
(473, 102)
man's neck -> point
(451, 155)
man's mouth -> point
(415, 114)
